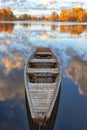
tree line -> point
(75, 14)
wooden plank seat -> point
(40, 85)
(42, 70)
(52, 60)
(43, 53)
(42, 89)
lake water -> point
(69, 42)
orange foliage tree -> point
(64, 15)
(75, 14)
(6, 14)
(78, 14)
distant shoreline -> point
(41, 22)
(74, 15)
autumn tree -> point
(24, 17)
(64, 15)
(6, 14)
(75, 14)
(54, 16)
(1, 14)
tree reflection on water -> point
(6, 27)
(72, 29)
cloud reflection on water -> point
(10, 63)
(47, 37)
(15, 48)
(77, 71)
(5, 41)
(12, 103)
(12, 86)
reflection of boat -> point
(42, 81)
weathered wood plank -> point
(42, 87)
(42, 70)
(45, 85)
(43, 49)
(43, 53)
(41, 90)
(33, 60)
(41, 110)
(41, 105)
(36, 101)
(39, 95)
(45, 108)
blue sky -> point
(41, 6)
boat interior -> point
(42, 65)
(42, 53)
(42, 78)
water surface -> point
(69, 42)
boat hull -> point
(42, 76)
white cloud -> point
(25, 5)
(47, 2)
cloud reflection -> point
(77, 71)
(5, 41)
(47, 37)
(10, 63)
(11, 86)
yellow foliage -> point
(75, 14)
(64, 15)
(6, 14)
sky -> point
(41, 7)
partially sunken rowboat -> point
(42, 81)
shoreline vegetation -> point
(77, 14)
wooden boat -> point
(42, 75)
